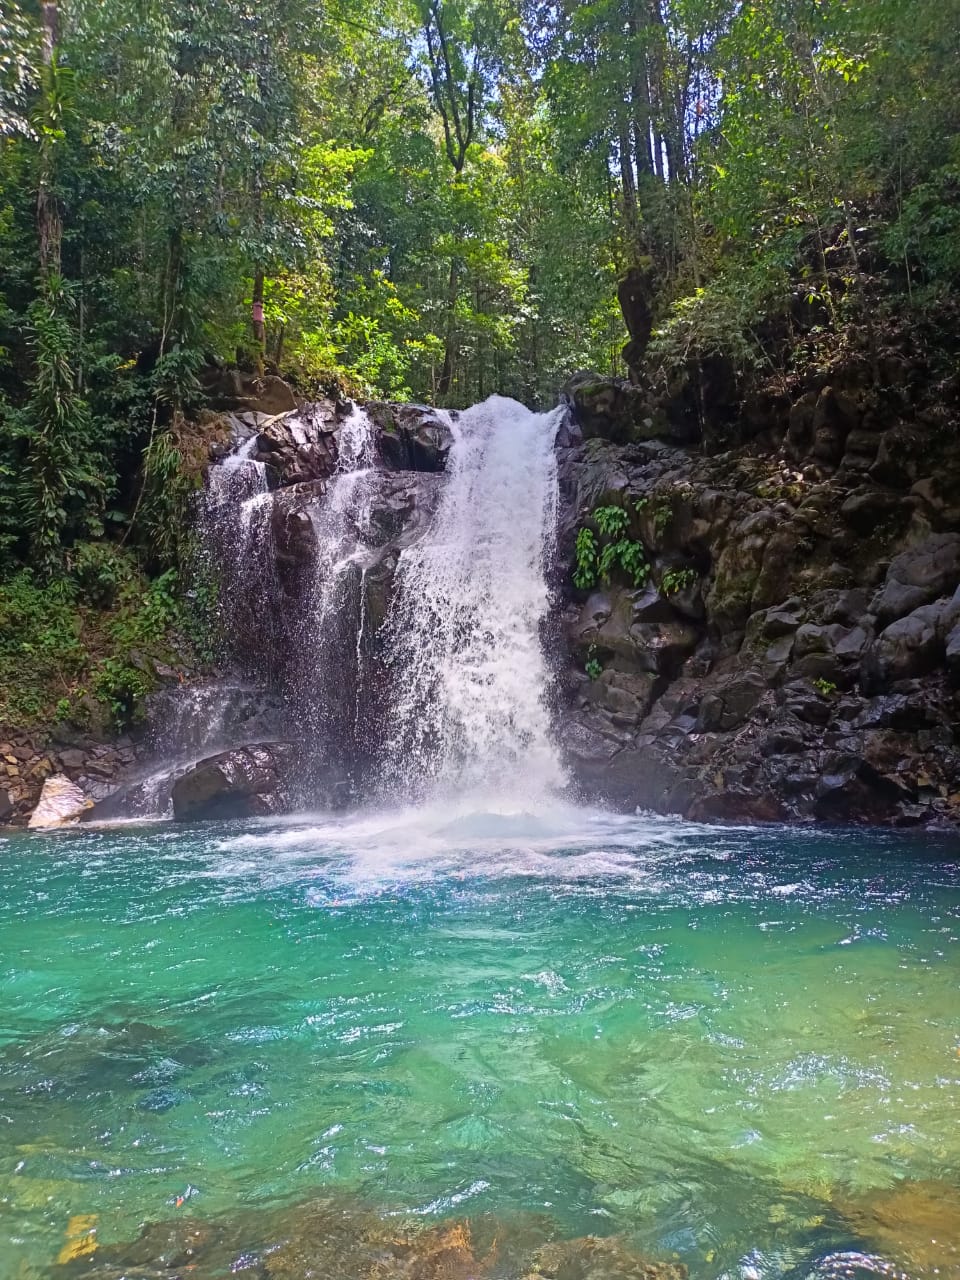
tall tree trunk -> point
(631, 211)
(49, 222)
(640, 94)
(256, 314)
(256, 309)
(445, 381)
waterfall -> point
(465, 653)
(236, 543)
(327, 696)
(392, 609)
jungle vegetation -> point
(433, 199)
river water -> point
(735, 1049)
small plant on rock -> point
(627, 555)
(593, 666)
(611, 521)
(595, 560)
(825, 687)
(675, 580)
(587, 560)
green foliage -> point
(83, 648)
(100, 572)
(926, 235)
(58, 488)
(593, 666)
(720, 319)
(41, 650)
(825, 687)
(627, 555)
(586, 559)
(675, 580)
(611, 521)
(597, 560)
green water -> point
(707, 1040)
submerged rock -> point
(334, 1238)
(915, 1224)
(599, 1258)
(61, 803)
(246, 783)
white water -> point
(335, 524)
(339, 547)
(467, 683)
(238, 477)
(464, 635)
(235, 519)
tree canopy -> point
(432, 199)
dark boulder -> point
(619, 411)
(411, 437)
(917, 576)
(246, 783)
(866, 508)
(910, 647)
(952, 655)
(729, 703)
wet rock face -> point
(412, 437)
(247, 783)
(795, 651)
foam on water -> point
(617, 1025)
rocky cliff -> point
(767, 631)
(793, 649)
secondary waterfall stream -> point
(409, 641)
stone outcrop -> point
(794, 651)
(28, 760)
(249, 782)
(412, 437)
(61, 804)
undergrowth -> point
(83, 650)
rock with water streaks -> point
(250, 782)
(411, 437)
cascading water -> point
(464, 637)
(329, 628)
(236, 542)
(397, 609)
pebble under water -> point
(735, 1050)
